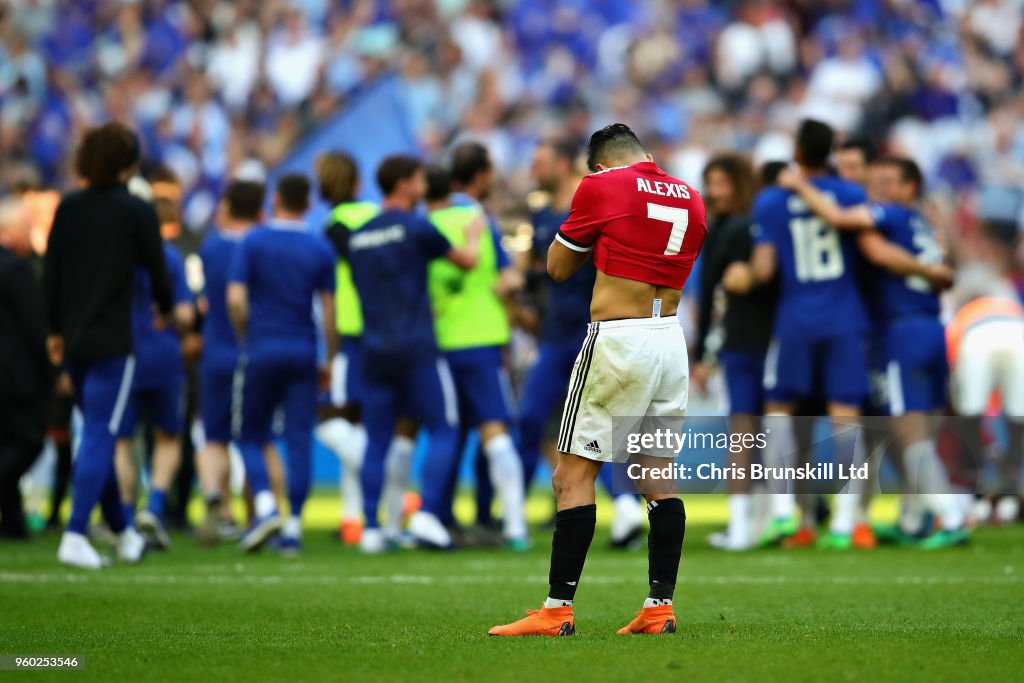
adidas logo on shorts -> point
(592, 447)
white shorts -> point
(991, 357)
(628, 373)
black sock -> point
(664, 545)
(60, 483)
(971, 455)
(1014, 457)
(574, 530)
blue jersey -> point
(220, 348)
(284, 266)
(157, 353)
(899, 296)
(389, 257)
(567, 304)
(819, 296)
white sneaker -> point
(721, 540)
(980, 511)
(1007, 509)
(428, 530)
(151, 526)
(627, 523)
(372, 542)
(131, 546)
(76, 551)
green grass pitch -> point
(214, 615)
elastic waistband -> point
(649, 323)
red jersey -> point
(642, 224)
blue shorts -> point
(347, 383)
(481, 384)
(917, 369)
(272, 380)
(744, 380)
(422, 390)
(217, 386)
(163, 406)
(832, 367)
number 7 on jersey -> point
(679, 218)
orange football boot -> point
(411, 503)
(803, 538)
(864, 537)
(350, 531)
(651, 621)
(546, 621)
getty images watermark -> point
(661, 440)
(798, 455)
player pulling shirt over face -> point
(645, 229)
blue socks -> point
(128, 510)
(157, 499)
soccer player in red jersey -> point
(645, 229)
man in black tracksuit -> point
(25, 373)
(100, 235)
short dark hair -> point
(769, 172)
(469, 159)
(740, 172)
(106, 151)
(244, 199)
(814, 143)
(293, 192)
(910, 172)
(563, 148)
(862, 144)
(396, 168)
(162, 174)
(439, 183)
(338, 176)
(611, 140)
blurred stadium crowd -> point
(216, 90)
(210, 84)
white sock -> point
(846, 504)
(292, 527)
(780, 451)
(657, 602)
(264, 504)
(351, 494)
(555, 602)
(346, 440)
(927, 476)
(869, 487)
(739, 519)
(844, 512)
(506, 471)
(808, 503)
(398, 464)
(911, 514)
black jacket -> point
(98, 238)
(25, 374)
(747, 322)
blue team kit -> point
(818, 341)
(159, 372)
